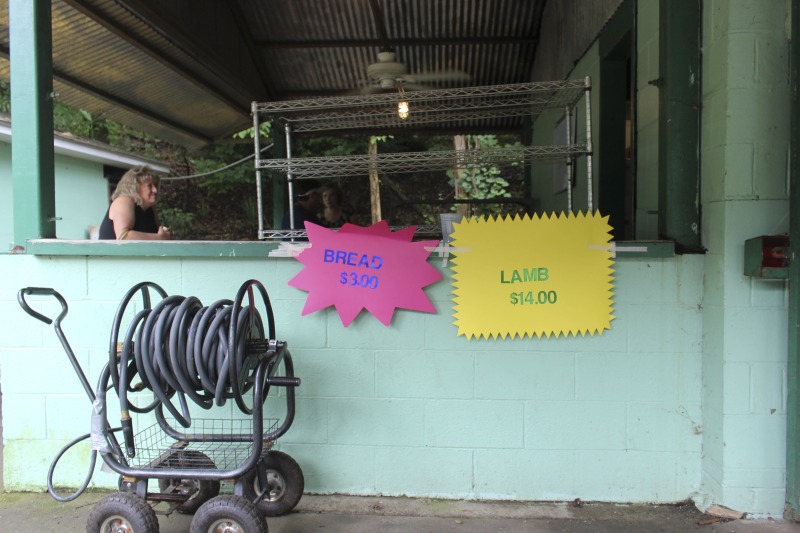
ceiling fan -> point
(388, 73)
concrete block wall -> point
(685, 396)
(745, 139)
(411, 409)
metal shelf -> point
(339, 166)
(463, 107)
(301, 235)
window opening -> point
(616, 189)
(465, 109)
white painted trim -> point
(90, 151)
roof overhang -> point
(187, 71)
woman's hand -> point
(164, 233)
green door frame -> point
(793, 371)
(679, 129)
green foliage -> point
(231, 179)
(250, 210)
(264, 128)
(330, 146)
(96, 127)
(484, 180)
(178, 221)
(5, 97)
(80, 122)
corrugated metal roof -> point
(188, 70)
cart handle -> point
(278, 381)
(44, 291)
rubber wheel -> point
(285, 484)
(228, 514)
(122, 512)
(200, 490)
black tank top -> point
(144, 221)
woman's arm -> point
(123, 216)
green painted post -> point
(679, 172)
(793, 377)
(32, 171)
(527, 140)
(279, 187)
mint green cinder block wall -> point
(744, 194)
(745, 139)
(412, 409)
(684, 397)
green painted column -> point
(679, 162)
(279, 187)
(793, 371)
(32, 171)
(527, 140)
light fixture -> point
(402, 105)
(402, 109)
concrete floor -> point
(34, 513)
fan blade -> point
(371, 89)
(362, 86)
(442, 75)
(416, 87)
(366, 89)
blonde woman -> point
(132, 215)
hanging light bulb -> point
(402, 105)
(402, 109)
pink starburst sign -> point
(369, 268)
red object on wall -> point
(775, 251)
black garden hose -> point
(109, 439)
(52, 490)
(180, 348)
(176, 347)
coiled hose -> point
(179, 348)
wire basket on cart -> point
(157, 449)
(179, 350)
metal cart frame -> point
(182, 460)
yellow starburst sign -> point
(537, 276)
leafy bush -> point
(231, 179)
(178, 221)
(484, 180)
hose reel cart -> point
(179, 349)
